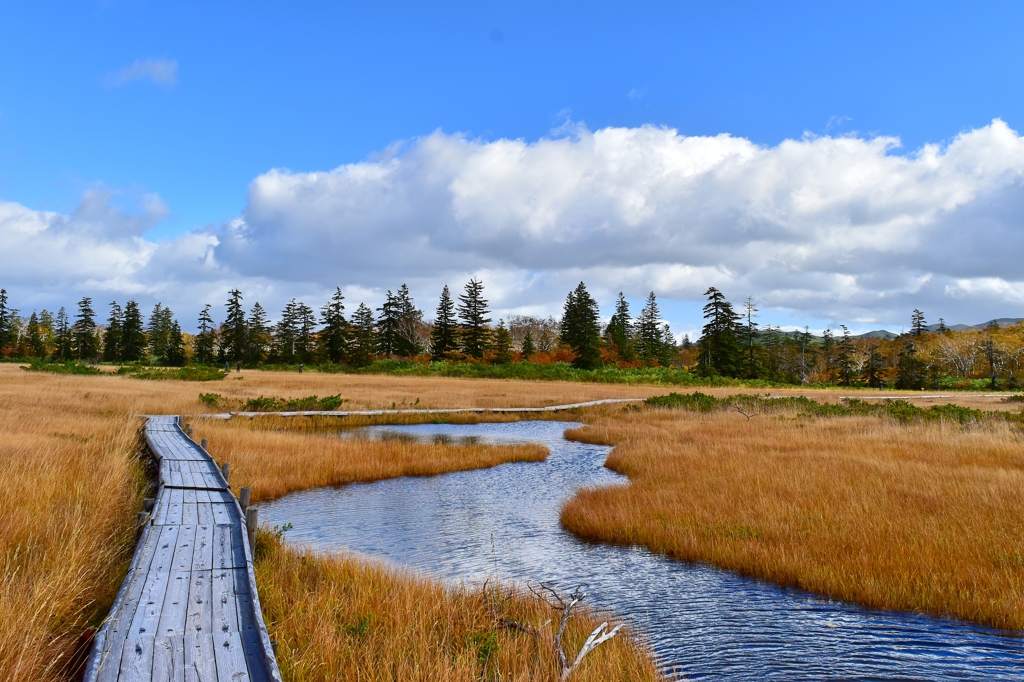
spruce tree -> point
(407, 342)
(869, 373)
(618, 333)
(363, 340)
(84, 331)
(206, 339)
(7, 315)
(502, 344)
(305, 340)
(62, 336)
(475, 336)
(334, 336)
(667, 353)
(443, 337)
(36, 340)
(174, 353)
(647, 331)
(257, 335)
(233, 341)
(528, 346)
(749, 330)
(580, 329)
(719, 345)
(909, 373)
(112, 337)
(387, 325)
(845, 366)
(917, 323)
(286, 333)
(133, 336)
(159, 332)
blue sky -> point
(193, 102)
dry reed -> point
(276, 456)
(925, 516)
(343, 618)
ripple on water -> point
(704, 622)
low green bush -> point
(310, 403)
(67, 367)
(190, 373)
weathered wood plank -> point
(175, 608)
(119, 621)
(199, 620)
(221, 514)
(184, 548)
(202, 556)
(228, 551)
(202, 496)
(227, 584)
(200, 660)
(174, 508)
(169, 659)
(137, 660)
(230, 657)
(204, 512)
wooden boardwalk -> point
(188, 610)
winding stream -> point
(702, 622)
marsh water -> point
(702, 623)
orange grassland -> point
(923, 516)
(71, 481)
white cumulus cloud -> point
(847, 228)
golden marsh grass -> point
(926, 516)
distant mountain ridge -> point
(1001, 321)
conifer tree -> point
(828, 343)
(528, 346)
(502, 344)
(36, 340)
(942, 326)
(387, 325)
(443, 337)
(112, 337)
(844, 370)
(667, 353)
(257, 335)
(647, 338)
(719, 346)
(133, 336)
(870, 374)
(334, 336)
(305, 340)
(233, 341)
(409, 318)
(908, 368)
(7, 315)
(749, 330)
(159, 332)
(917, 323)
(579, 328)
(62, 336)
(618, 333)
(174, 352)
(286, 333)
(205, 340)
(363, 339)
(475, 336)
(84, 331)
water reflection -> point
(711, 624)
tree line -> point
(732, 343)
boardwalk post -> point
(141, 519)
(148, 503)
(225, 468)
(244, 495)
(205, 445)
(251, 519)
